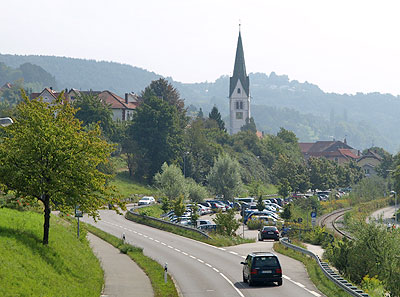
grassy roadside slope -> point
(66, 267)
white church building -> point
(239, 92)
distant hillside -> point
(34, 77)
(364, 119)
(88, 74)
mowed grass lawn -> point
(127, 187)
(66, 267)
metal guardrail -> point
(327, 270)
(168, 223)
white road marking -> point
(301, 286)
(233, 286)
(315, 293)
(177, 250)
(215, 269)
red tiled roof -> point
(52, 93)
(116, 101)
(348, 153)
(305, 146)
(259, 134)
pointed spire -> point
(239, 70)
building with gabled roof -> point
(368, 162)
(337, 151)
(122, 108)
(48, 95)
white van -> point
(247, 199)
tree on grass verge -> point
(196, 192)
(46, 155)
(157, 130)
(224, 177)
(170, 182)
(226, 222)
(179, 207)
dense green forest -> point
(364, 119)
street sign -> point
(78, 213)
(313, 214)
(313, 221)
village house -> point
(122, 108)
(368, 163)
(337, 151)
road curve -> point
(204, 270)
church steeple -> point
(239, 70)
(239, 92)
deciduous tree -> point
(224, 177)
(46, 155)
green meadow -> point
(65, 267)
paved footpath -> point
(123, 277)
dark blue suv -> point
(262, 267)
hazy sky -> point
(342, 46)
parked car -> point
(216, 206)
(268, 232)
(204, 209)
(262, 267)
(206, 225)
(267, 220)
(146, 200)
(261, 213)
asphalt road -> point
(204, 270)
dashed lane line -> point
(215, 269)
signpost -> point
(78, 214)
(313, 218)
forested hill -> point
(364, 119)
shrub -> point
(255, 224)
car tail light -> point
(253, 271)
(278, 270)
(276, 231)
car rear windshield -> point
(269, 228)
(265, 261)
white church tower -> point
(239, 92)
